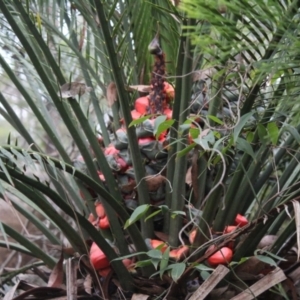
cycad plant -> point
(163, 141)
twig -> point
(209, 284)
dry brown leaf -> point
(252, 266)
(11, 293)
(176, 2)
(287, 285)
(203, 74)
(295, 275)
(188, 176)
(57, 275)
(217, 293)
(82, 36)
(149, 286)
(204, 132)
(296, 206)
(267, 241)
(35, 293)
(66, 250)
(88, 284)
(154, 182)
(71, 278)
(262, 285)
(73, 89)
(127, 188)
(30, 281)
(162, 236)
(222, 8)
(140, 88)
(111, 94)
(139, 297)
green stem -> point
(174, 132)
(181, 163)
(244, 163)
(201, 180)
(216, 103)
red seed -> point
(122, 164)
(192, 236)
(229, 229)
(81, 194)
(135, 114)
(127, 262)
(168, 112)
(101, 176)
(158, 244)
(240, 220)
(104, 223)
(100, 211)
(91, 218)
(97, 258)
(100, 140)
(146, 140)
(179, 253)
(221, 257)
(122, 129)
(163, 134)
(141, 105)
(169, 90)
(110, 150)
(104, 272)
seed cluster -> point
(157, 96)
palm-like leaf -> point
(252, 60)
(47, 67)
(259, 35)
